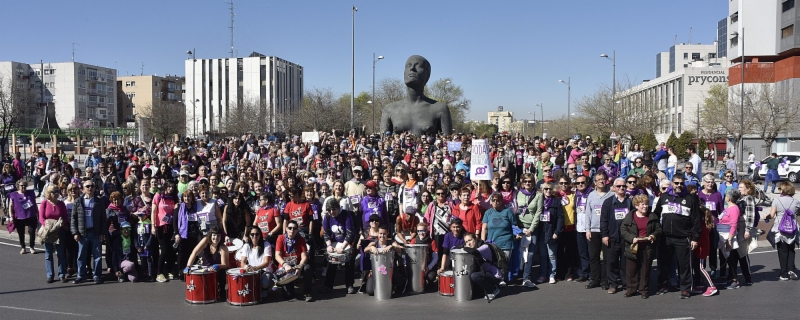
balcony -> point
(92, 91)
(92, 104)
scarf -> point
(526, 193)
(183, 221)
(671, 192)
(580, 194)
(289, 244)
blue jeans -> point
(583, 252)
(670, 173)
(773, 177)
(60, 254)
(526, 269)
(89, 242)
(547, 250)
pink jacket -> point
(429, 215)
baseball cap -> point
(357, 168)
(371, 184)
(184, 173)
(95, 150)
(125, 224)
(375, 217)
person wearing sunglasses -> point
(292, 255)
(593, 210)
(631, 186)
(713, 201)
(582, 191)
(609, 167)
(612, 213)
(421, 236)
(86, 222)
(638, 168)
(551, 225)
(439, 213)
(339, 233)
(498, 223)
(681, 220)
(567, 240)
(528, 204)
(728, 182)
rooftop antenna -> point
(232, 25)
(675, 42)
(73, 50)
(690, 36)
(141, 73)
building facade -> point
(137, 94)
(683, 77)
(215, 86)
(75, 92)
(502, 119)
(764, 32)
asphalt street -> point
(25, 295)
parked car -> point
(790, 172)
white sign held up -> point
(480, 167)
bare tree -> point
(633, 114)
(722, 114)
(321, 110)
(164, 119)
(79, 123)
(244, 118)
(15, 101)
(775, 110)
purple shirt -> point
(713, 202)
(451, 241)
(21, 201)
(373, 205)
(486, 254)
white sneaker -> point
(502, 284)
(529, 284)
(792, 275)
(552, 280)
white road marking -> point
(686, 318)
(47, 311)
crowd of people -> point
(583, 211)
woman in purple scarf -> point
(187, 227)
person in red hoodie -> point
(699, 256)
(468, 212)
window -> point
(157, 84)
(81, 85)
(131, 95)
(712, 55)
(735, 17)
(685, 55)
(101, 111)
(82, 72)
(695, 56)
(787, 5)
(49, 71)
(130, 83)
(81, 110)
(101, 99)
(787, 32)
(680, 123)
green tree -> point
(648, 142)
(672, 142)
(480, 128)
(684, 141)
(446, 90)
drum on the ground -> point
(340, 258)
(234, 246)
(462, 268)
(446, 283)
(244, 287)
(201, 286)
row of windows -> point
(130, 83)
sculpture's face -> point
(417, 71)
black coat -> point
(629, 230)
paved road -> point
(24, 295)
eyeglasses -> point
(547, 189)
(371, 221)
(254, 234)
(728, 176)
(677, 183)
(89, 186)
(440, 193)
(631, 182)
(572, 168)
(563, 183)
(506, 182)
(580, 182)
(291, 228)
(663, 188)
(638, 162)
(422, 231)
(528, 181)
(548, 170)
(619, 185)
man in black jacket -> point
(86, 224)
(681, 222)
(611, 214)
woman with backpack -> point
(784, 211)
(488, 276)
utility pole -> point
(353, 71)
(232, 25)
(73, 50)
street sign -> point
(613, 135)
(576, 137)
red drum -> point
(201, 286)
(447, 284)
(244, 288)
(234, 246)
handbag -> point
(634, 248)
(788, 224)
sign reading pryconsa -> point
(480, 167)
(708, 77)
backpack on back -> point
(501, 261)
(788, 224)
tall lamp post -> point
(353, 70)
(569, 103)
(741, 120)
(533, 115)
(374, 61)
(541, 115)
(194, 98)
(613, 59)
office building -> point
(137, 94)
(71, 90)
(502, 119)
(216, 86)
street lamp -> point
(353, 70)
(741, 120)
(541, 112)
(194, 107)
(374, 61)
(613, 59)
(569, 102)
